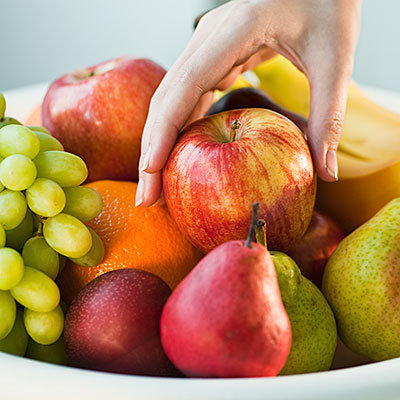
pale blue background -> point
(42, 39)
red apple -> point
(99, 113)
(313, 250)
(223, 163)
(114, 324)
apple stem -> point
(261, 232)
(235, 125)
(253, 222)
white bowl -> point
(21, 378)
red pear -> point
(226, 318)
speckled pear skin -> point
(362, 284)
(314, 334)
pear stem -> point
(253, 222)
(261, 232)
(235, 125)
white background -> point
(43, 39)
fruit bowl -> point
(23, 378)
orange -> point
(143, 238)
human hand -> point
(317, 36)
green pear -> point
(362, 284)
(314, 334)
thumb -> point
(328, 87)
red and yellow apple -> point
(313, 250)
(99, 113)
(223, 163)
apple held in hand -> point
(223, 163)
(99, 114)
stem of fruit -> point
(235, 125)
(261, 232)
(40, 226)
(253, 222)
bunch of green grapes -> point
(42, 215)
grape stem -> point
(40, 227)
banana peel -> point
(368, 152)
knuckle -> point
(185, 77)
(335, 124)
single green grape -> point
(38, 254)
(44, 327)
(8, 121)
(67, 235)
(83, 203)
(8, 310)
(15, 238)
(66, 169)
(2, 237)
(16, 342)
(45, 197)
(18, 139)
(13, 208)
(17, 172)
(38, 128)
(11, 268)
(2, 105)
(95, 255)
(48, 142)
(51, 353)
(36, 291)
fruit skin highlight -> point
(99, 113)
(210, 180)
(146, 239)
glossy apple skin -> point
(313, 250)
(249, 97)
(113, 325)
(226, 319)
(210, 183)
(101, 117)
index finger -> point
(175, 100)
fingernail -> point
(146, 160)
(139, 193)
(331, 163)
